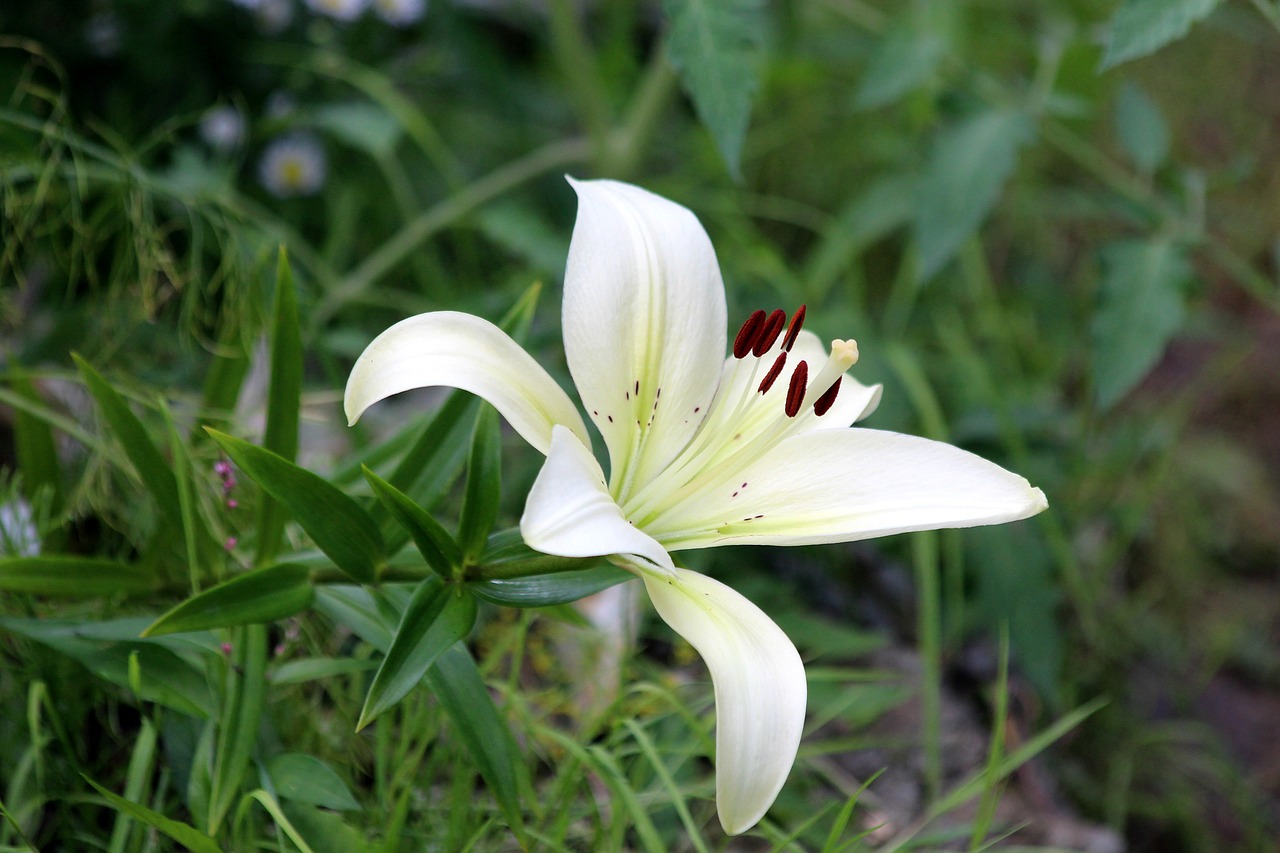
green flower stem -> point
(556, 155)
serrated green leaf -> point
(186, 835)
(284, 401)
(715, 46)
(147, 460)
(968, 166)
(455, 680)
(306, 779)
(906, 56)
(434, 542)
(255, 597)
(76, 577)
(1141, 307)
(337, 524)
(1141, 128)
(437, 616)
(239, 720)
(484, 484)
(549, 590)
(1140, 27)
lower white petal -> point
(759, 685)
(463, 351)
(569, 512)
(844, 485)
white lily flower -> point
(703, 451)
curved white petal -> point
(759, 684)
(569, 512)
(463, 351)
(644, 324)
(844, 485)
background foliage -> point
(1051, 228)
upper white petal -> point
(569, 512)
(759, 685)
(467, 352)
(644, 324)
(844, 485)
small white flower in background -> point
(223, 128)
(18, 534)
(248, 4)
(293, 165)
(341, 10)
(274, 15)
(400, 13)
(104, 34)
(704, 450)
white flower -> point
(293, 165)
(703, 451)
(223, 128)
(400, 13)
(18, 534)
(274, 15)
(342, 10)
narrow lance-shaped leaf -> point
(337, 524)
(438, 548)
(186, 835)
(484, 484)
(284, 399)
(714, 44)
(549, 590)
(255, 597)
(147, 460)
(73, 577)
(437, 616)
(455, 680)
(241, 715)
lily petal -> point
(845, 485)
(759, 685)
(569, 512)
(463, 351)
(644, 324)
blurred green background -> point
(1051, 227)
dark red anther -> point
(793, 329)
(795, 392)
(772, 328)
(823, 404)
(778, 364)
(748, 334)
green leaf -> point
(360, 124)
(255, 597)
(1141, 128)
(437, 616)
(484, 484)
(715, 46)
(239, 720)
(76, 577)
(455, 680)
(549, 590)
(1141, 307)
(337, 524)
(968, 165)
(314, 669)
(186, 835)
(434, 542)
(169, 676)
(326, 832)
(306, 779)
(147, 460)
(1140, 27)
(284, 400)
(906, 57)
(226, 372)
(884, 206)
(36, 451)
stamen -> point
(772, 328)
(778, 364)
(823, 404)
(748, 334)
(793, 329)
(795, 392)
